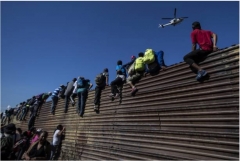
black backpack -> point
(100, 79)
(61, 93)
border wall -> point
(173, 116)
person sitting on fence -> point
(56, 143)
(118, 82)
(157, 65)
(101, 81)
(204, 39)
(39, 150)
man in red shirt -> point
(204, 39)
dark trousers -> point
(196, 56)
(55, 152)
(67, 98)
(8, 119)
(24, 113)
(31, 109)
(82, 96)
(35, 108)
(54, 103)
(38, 107)
(31, 122)
(98, 92)
(19, 113)
(153, 68)
(117, 82)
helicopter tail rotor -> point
(175, 13)
(160, 26)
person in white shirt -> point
(57, 139)
(74, 93)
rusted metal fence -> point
(172, 117)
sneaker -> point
(111, 95)
(116, 96)
(201, 74)
(133, 89)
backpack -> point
(139, 64)
(61, 93)
(100, 79)
(149, 56)
(81, 83)
(45, 96)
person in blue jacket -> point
(120, 67)
(157, 65)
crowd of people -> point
(31, 144)
(150, 62)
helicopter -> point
(173, 21)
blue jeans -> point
(54, 152)
(82, 96)
(160, 59)
(54, 103)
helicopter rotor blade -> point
(183, 17)
(167, 18)
(175, 13)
